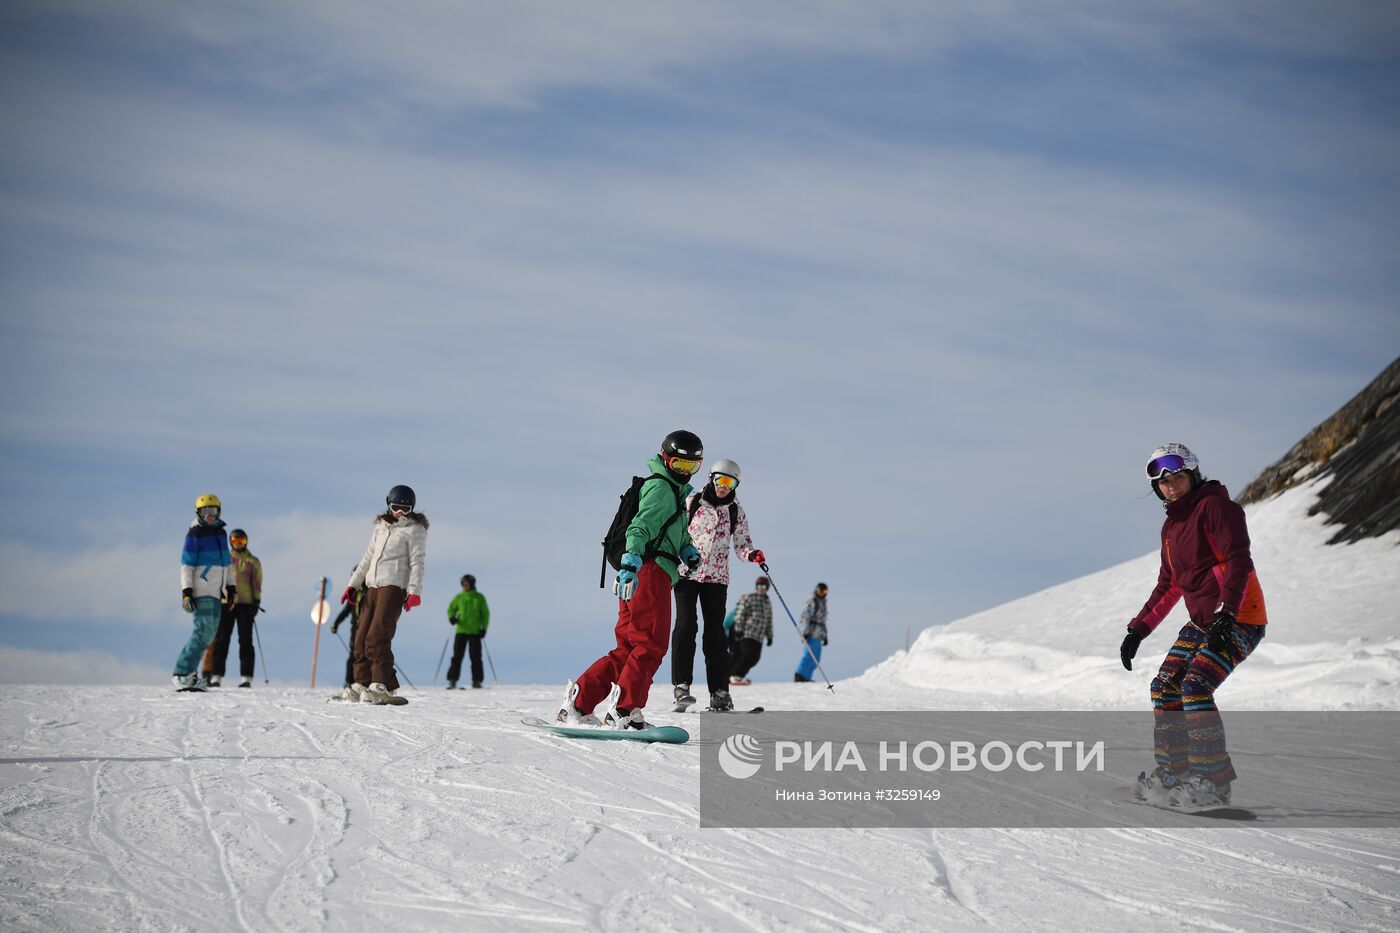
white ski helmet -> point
(1172, 458)
(728, 468)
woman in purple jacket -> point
(1206, 560)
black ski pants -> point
(713, 643)
(747, 655)
(240, 615)
(462, 643)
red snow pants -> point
(643, 631)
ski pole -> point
(490, 662)
(405, 677)
(806, 647)
(441, 656)
(257, 633)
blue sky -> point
(937, 276)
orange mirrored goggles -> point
(724, 481)
(237, 539)
(683, 466)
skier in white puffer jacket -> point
(717, 522)
(392, 570)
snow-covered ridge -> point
(1333, 637)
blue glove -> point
(691, 556)
(626, 583)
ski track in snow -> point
(124, 809)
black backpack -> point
(733, 512)
(615, 542)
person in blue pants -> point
(814, 633)
(206, 581)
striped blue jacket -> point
(205, 563)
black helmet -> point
(401, 495)
(761, 581)
(469, 579)
(683, 454)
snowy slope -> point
(1333, 637)
(139, 809)
(271, 809)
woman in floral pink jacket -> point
(717, 522)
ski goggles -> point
(208, 513)
(398, 508)
(238, 541)
(1170, 463)
(683, 466)
(724, 481)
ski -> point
(668, 735)
(190, 690)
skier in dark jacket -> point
(1206, 559)
(753, 628)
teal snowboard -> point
(670, 735)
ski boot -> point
(476, 685)
(737, 681)
(721, 702)
(571, 715)
(799, 679)
(1198, 791)
(684, 701)
(452, 685)
(1155, 787)
(216, 680)
(246, 682)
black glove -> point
(187, 599)
(770, 643)
(1218, 635)
(230, 594)
(335, 626)
(823, 642)
(483, 633)
(257, 604)
(1129, 648)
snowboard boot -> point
(179, 681)
(452, 685)
(1198, 791)
(571, 715)
(378, 694)
(216, 680)
(614, 718)
(799, 679)
(476, 685)
(682, 697)
(1155, 787)
(737, 681)
(246, 682)
(720, 702)
(350, 693)
(619, 719)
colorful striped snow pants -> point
(1188, 736)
